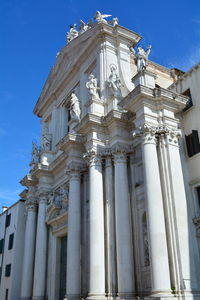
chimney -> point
(4, 208)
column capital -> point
(119, 152)
(31, 204)
(93, 157)
(147, 132)
(74, 170)
(43, 195)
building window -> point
(192, 142)
(11, 241)
(198, 194)
(8, 217)
(1, 245)
(189, 102)
(6, 296)
(8, 270)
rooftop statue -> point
(142, 58)
(72, 34)
(114, 22)
(84, 26)
(92, 86)
(101, 18)
(75, 111)
(114, 82)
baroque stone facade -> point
(107, 213)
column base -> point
(25, 298)
(39, 298)
(128, 296)
(72, 297)
(97, 297)
(185, 295)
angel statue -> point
(72, 34)
(142, 58)
(114, 22)
(101, 18)
(35, 154)
(92, 86)
(75, 111)
(114, 82)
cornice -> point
(29, 180)
(164, 96)
(70, 140)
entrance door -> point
(63, 263)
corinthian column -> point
(125, 267)
(110, 227)
(41, 251)
(159, 264)
(96, 231)
(74, 236)
(29, 252)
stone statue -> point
(83, 27)
(72, 34)
(92, 86)
(114, 22)
(114, 82)
(35, 154)
(75, 111)
(142, 58)
(101, 18)
(46, 139)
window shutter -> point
(195, 138)
(1, 245)
(11, 241)
(8, 270)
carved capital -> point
(74, 169)
(93, 157)
(147, 132)
(31, 205)
(43, 195)
(119, 152)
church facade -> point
(108, 198)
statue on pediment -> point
(114, 82)
(35, 154)
(72, 34)
(92, 87)
(46, 139)
(75, 110)
(83, 27)
(100, 18)
(114, 22)
(142, 58)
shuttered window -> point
(8, 217)
(8, 270)
(192, 142)
(11, 241)
(1, 245)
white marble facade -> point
(106, 205)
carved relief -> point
(35, 154)
(46, 139)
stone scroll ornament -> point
(141, 57)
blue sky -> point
(31, 34)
